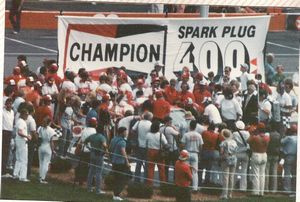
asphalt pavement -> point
(40, 44)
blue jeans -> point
(141, 161)
(209, 158)
(65, 141)
(95, 169)
(290, 165)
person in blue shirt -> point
(98, 147)
(269, 69)
(289, 150)
(120, 162)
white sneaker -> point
(117, 198)
(7, 175)
(15, 32)
(100, 192)
(43, 181)
(24, 180)
(15, 177)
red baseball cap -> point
(184, 155)
(93, 121)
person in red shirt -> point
(210, 154)
(34, 96)
(171, 94)
(183, 177)
(259, 141)
(29, 86)
(161, 108)
(200, 90)
(16, 76)
(43, 110)
(52, 72)
(185, 93)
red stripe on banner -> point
(254, 72)
(103, 30)
(254, 61)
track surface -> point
(40, 44)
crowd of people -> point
(236, 130)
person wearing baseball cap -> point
(228, 150)
(52, 72)
(259, 141)
(211, 111)
(183, 177)
(43, 110)
(161, 108)
(240, 135)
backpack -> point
(275, 111)
(132, 140)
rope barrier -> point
(164, 182)
(171, 166)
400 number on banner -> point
(211, 57)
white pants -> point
(242, 161)
(44, 160)
(258, 164)
(193, 160)
(20, 169)
(228, 179)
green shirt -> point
(96, 142)
(277, 78)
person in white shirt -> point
(50, 88)
(19, 99)
(192, 141)
(218, 95)
(211, 111)
(104, 86)
(141, 128)
(7, 129)
(264, 107)
(230, 108)
(226, 78)
(126, 120)
(46, 148)
(139, 87)
(68, 82)
(81, 171)
(20, 170)
(155, 141)
(244, 78)
(289, 89)
(237, 94)
(241, 136)
(172, 136)
(228, 150)
(31, 127)
(285, 103)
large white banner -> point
(202, 44)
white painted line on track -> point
(31, 54)
(283, 46)
(48, 37)
(32, 45)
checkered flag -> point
(58, 132)
(286, 121)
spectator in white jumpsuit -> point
(46, 148)
(192, 141)
(20, 170)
